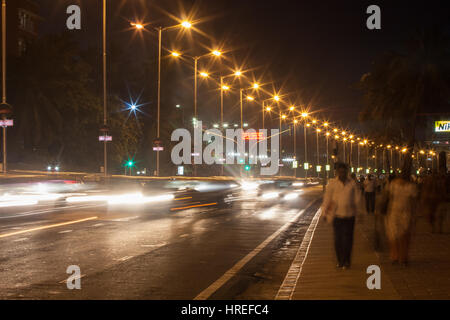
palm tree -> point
(403, 85)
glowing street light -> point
(291, 108)
(204, 74)
(276, 98)
(268, 109)
(217, 53)
(225, 87)
(250, 98)
(186, 24)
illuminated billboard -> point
(442, 126)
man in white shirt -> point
(369, 193)
(341, 204)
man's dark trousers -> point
(343, 239)
(370, 202)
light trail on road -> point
(46, 227)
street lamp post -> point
(343, 143)
(264, 109)
(184, 24)
(318, 155)
(105, 150)
(254, 86)
(216, 53)
(295, 146)
(5, 109)
(327, 135)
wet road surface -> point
(136, 252)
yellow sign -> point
(442, 126)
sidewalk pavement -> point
(426, 277)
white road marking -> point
(205, 294)
(65, 231)
(21, 239)
(124, 219)
(158, 245)
(289, 284)
(98, 224)
(34, 212)
(184, 235)
(124, 258)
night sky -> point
(313, 50)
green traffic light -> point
(247, 168)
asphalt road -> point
(140, 252)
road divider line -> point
(46, 227)
(195, 206)
(216, 285)
(289, 284)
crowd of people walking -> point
(395, 201)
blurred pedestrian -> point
(361, 183)
(435, 195)
(369, 193)
(340, 205)
(402, 195)
(381, 206)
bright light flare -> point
(129, 199)
(186, 24)
(249, 186)
(137, 25)
(175, 54)
(204, 74)
(270, 195)
(291, 196)
(216, 53)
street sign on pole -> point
(105, 138)
(327, 167)
(318, 168)
(158, 145)
(294, 164)
(306, 165)
(6, 123)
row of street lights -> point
(5, 109)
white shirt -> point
(341, 200)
